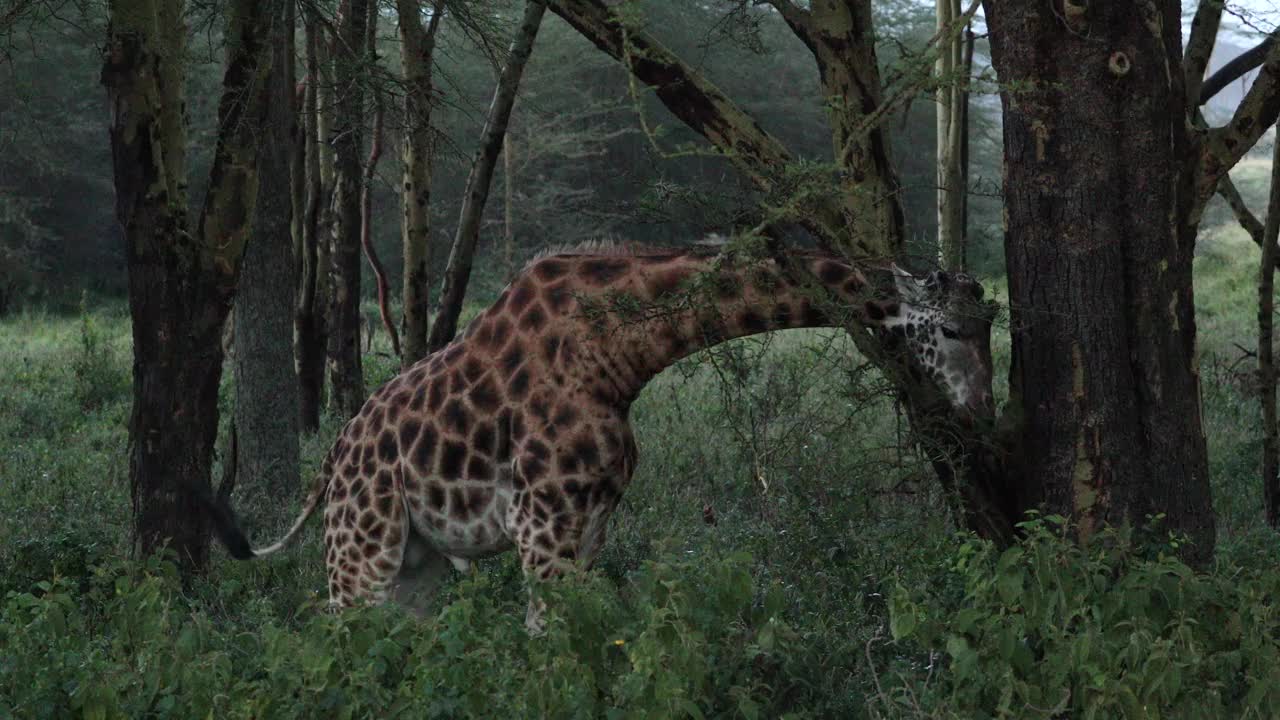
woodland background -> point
(784, 548)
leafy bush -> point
(684, 639)
(1113, 628)
(70, 553)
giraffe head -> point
(946, 329)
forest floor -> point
(775, 539)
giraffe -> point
(517, 433)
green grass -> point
(779, 606)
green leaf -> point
(690, 708)
(902, 623)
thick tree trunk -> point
(346, 376)
(417, 50)
(297, 149)
(458, 270)
(1099, 254)
(309, 316)
(180, 286)
(266, 416)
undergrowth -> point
(779, 551)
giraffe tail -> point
(226, 527)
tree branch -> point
(1232, 71)
(689, 95)
(797, 18)
(226, 217)
(1224, 146)
(457, 271)
(1204, 32)
(1248, 221)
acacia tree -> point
(346, 377)
(313, 246)
(181, 279)
(1103, 423)
(458, 270)
(954, 63)
(852, 208)
(416, 58)
(266, 426)
(1099, 140)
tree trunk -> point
(963, 130)
(266, 416)
(309, 316)
(297, 150)
(366, 195)
(950, 250)
(1104, 375)
(508, 201)
(476, 193)
(180, 286)
(1266, 360)
(346, 376)
(417, 50)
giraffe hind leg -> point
(421, 574)
(365, 545)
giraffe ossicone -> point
(516, 435)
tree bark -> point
(1099, 250)
(476, 193)
(963, 131)
(949, 127)
(309, 315)
(366, 194)
(346, 375)
(417, 50)
(1266, 360)
(181, 284)
(508, 201)
(266, 417)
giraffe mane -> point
(612, 247)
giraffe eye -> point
(948, 333)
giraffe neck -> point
(662, 312)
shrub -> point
(1113, 628)
(685, 639)
(71, 553)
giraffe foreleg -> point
(559, 529)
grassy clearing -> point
(828, 539)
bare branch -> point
(1204, 31)
(1250, 222)
(797, 18)
(1232, 71)
(689, 95)
(476, 193)
(1224, 146)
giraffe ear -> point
(910, 289)
(937, 283)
